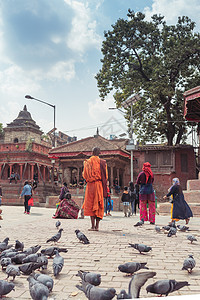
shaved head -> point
(96, 151)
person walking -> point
(107, 202)
(126, 202)
(26, 192)
(132, 194)
(146, 194)
(96, 175)
(179, 209)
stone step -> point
(164, 209)
(193, 185)
(192, 196)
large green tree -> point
(160, 62)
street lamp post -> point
(54, 115)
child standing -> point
(126, 202)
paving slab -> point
(107, 249)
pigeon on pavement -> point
(55, 238)
(4, 244)
(38, 290)
(137, 281)
(141, 247)
(164, 287)
(132, 267)
(45, 279)
(90, 277)
(172, 231)
(12, 270)
(28, 268)
(32, 250)
(95, 293)
(5, 261)
(17, 259)
(58, 263)
(189, 264)
(191, 238)
(51, 251)
(140, 223)
(172, 224)
(19, 246)
(81, 236)
(157, 229)
(183, 227)
(6, 287)
(167, 227)
(43, 260)
(30, 258)
(4, 253)
(58, 223)
(123, 295)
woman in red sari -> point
(146, 194)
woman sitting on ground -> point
(67, 209)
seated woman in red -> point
(67, 209)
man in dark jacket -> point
(126, 202)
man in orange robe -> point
(96, 175)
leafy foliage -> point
(160, 62)
(1, 131)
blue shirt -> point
(26, 190)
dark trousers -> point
(26, 206)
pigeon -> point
(17, 259)
(45, 279)
(182, 227)
(164, 287)
(5, 261)
(191, 238)
(141, 247)
(140, 223)
(58, 263)
(123, 295)
(6, 287)
(157, 229)
(55, 237)
(95, 293)
(30, 258)
(4, 244)
(132, 267)
(135, 284)
(12, 270)
(32, 250)
(58, 223)
(43, 260)
(51, 251)
(172, 224)
(172, 231)
(5, 253)
(28, 268)
(92, 278)
(167, 228)
(189, 264)
(19, 246)
(38, 290)
(81, 236)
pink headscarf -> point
(147, 170)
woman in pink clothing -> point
(146, 194)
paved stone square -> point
(107, 249)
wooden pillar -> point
(44, 173)
(0, 170)
(10, 165)
(123, 183)
(118, 175)
(78, 175)
(32, 171)
(111, 176)
(20, 170)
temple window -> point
(16, 140)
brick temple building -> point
(24, 152)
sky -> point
(51, 50)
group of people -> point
(97, 199)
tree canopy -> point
(159, 62)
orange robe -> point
(94, 202)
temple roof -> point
(86, 145)
(24, 119)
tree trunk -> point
(179, 136)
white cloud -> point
(171, 9)
(83, 33)
(99, 110)
(62, 70)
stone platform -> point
(107, 249)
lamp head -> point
(29, 97)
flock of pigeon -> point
(15, 260)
